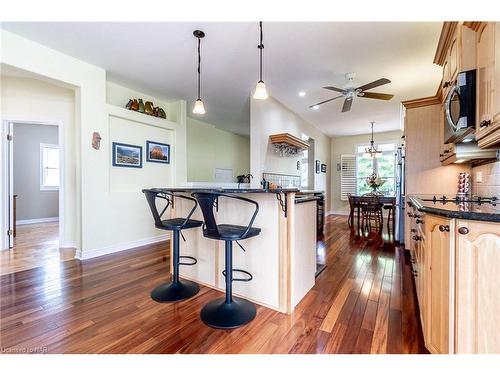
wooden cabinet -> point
(478, 287)
(438, 287)
(488, 84)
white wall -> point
(271, 117)
(108, 220)
(32, 202)
(346, 145)
(29, 99)
(209, 148)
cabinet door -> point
(478, 287)
(485, 78)
(453, 60)
(438, 288)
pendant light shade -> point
(199, 107)
(260, 90)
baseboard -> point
(343, 213)
(87, 254)
(37, 221)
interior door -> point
(10, 183)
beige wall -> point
(271, 117)
(346, 145)
(29, 99)
(209, 148)
(490, 176)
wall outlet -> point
(479, 176)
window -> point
(49, 167)
(384, 166)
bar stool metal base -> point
(219, 314)
(171, 292)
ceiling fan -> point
(350, 91)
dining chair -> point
(371, 211)
(350, 220)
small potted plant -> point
(374, 182)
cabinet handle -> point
(463, 230)
(441, 155)
(413, 230)
(412, 260)
(418, 221)
(417, 238)
(446, 84)
(444, 228)
(485, 123)
(415, 273)
(410, 214)
(446, 151)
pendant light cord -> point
(199, 72)
(260, 47)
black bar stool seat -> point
(229, 232)
(177, 289)
(229, 312)
(179, 223)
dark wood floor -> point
(364, 302)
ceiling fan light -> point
(199, 108)
(260, 91)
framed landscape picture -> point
(125, 155)
(317, 166)
(157, 152)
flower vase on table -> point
(374, 182)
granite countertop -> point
(452, 210)
(307, 198)
(243, 190)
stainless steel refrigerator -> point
(400, 195)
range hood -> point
(468, 151)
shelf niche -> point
(288, 145)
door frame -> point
(4, 187)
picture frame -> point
(323, 168)
(317, 166)
(125, 155)
(157, 152)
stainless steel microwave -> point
(460, 109)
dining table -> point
(387, 201)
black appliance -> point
(460, 109)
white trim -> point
(87, 254)
(37, 221)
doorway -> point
(33, 171)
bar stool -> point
(229, 311)
(176, 290)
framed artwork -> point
(317, 166)
(125, 155)
(323, 168)
(157, 152)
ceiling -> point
(160, 58)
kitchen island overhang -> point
(282, 259)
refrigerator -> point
(399, 233)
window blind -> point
(347, 175)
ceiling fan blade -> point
(347, 105)
(376, 95)
(326, 101)
(333, 88)
(371, 85)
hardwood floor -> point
(363, 302)
(35, 245)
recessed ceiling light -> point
(302, 93)
(315, 107)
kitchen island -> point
(282, 259)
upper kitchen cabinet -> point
(488, 83)
(455, 52)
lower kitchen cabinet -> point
(439, 284)
(456, 267)
(477, 287)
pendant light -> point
(372, 151)
(260, 90)
(199, 108)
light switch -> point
(479, 176)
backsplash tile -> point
(490, 184)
